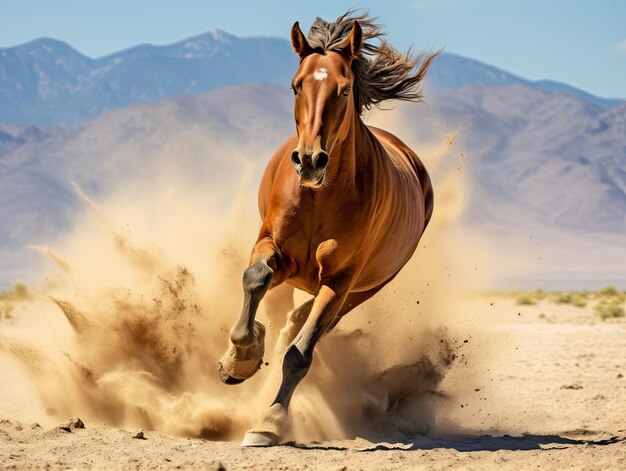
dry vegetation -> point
(19, 292)
(607, 303)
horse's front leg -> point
(296, 364)
(245, 353)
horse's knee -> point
(257, 278)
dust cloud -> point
(145, 287)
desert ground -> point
(539, 385)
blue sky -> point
(582, 43)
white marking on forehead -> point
(320, 74)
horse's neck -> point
(353, 152)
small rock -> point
(619, 375)
(575, 385)
(139, 435)
(72, 423)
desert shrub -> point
(563, 297)
(608, 292)
(18, 292)
(539, 294)
(5, 310)
(609, 308)
(575, 298)
(525, 299)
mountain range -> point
(46, 81)
(537, 157)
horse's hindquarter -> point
(401, 215)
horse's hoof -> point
(241, 363)
(225, 377)
(259, 439)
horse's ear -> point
(352, 43)
(299, 42)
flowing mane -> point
(381, 72)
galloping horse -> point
(343, 205)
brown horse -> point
(343, 204)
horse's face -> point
(323, 103)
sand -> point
(421, 376)
(551, 395)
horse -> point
(343, 205)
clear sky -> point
(580, 42)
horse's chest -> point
(315, 248)
(300, 241)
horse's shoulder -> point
(389, 140)
(393, 143)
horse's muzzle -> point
(310, 168)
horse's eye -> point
(346, 91)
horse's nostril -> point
(321, 161)
(295, 159)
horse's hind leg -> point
(245, 354)
(295, 320)
(278, 304)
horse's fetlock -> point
(241, 337)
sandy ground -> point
(552, 395)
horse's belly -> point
(381, 268)
(396, 245)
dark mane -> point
(381, 71)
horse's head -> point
(324, 102)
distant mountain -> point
(206, 140)
(536, 157)
(451, 71)
(46, 82)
